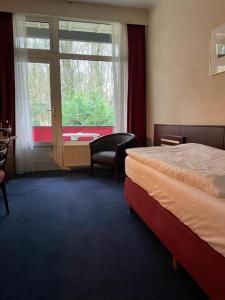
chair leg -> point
(5, 198)
(175, 264)
(117, 177)
(131, 211)
(91, 168)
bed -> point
(188, 220)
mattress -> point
(203, 213)
(198, 165)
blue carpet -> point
(70, 236)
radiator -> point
(76, 154)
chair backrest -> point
(112, 140)
(5, 134)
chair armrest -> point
(126, 145)
(121, 150)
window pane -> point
(85, 38)
(220, 49)
(87, 98)
(37, 35)
(40, 101)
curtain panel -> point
(120, 75)
(7, 85)
(24, 142)
(136, 114)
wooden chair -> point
(5, 134)
(110, 150)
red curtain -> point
(7, 83)
(136, 122)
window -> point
(72, 77)
(87, 81)
(84, 58)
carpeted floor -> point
(70, 236)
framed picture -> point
(217, 50)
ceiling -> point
(129, 3)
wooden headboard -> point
(202, 134)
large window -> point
(83, 53)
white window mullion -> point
(56, 93)
(85, 57)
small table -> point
(75, 136)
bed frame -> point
(202, 134)
(203, 263)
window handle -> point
(52, 111)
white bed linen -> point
(204, 214)
(198, 165)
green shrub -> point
(86, 109)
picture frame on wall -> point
(217, 50)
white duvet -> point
(198, 165)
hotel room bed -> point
(186, 211)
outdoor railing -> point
(45, 133)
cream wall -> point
(179, 87)
(62, 8)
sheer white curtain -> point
(120, 75)
(24, 141)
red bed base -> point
(205, 265)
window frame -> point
(54, 56)
(54, 51)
